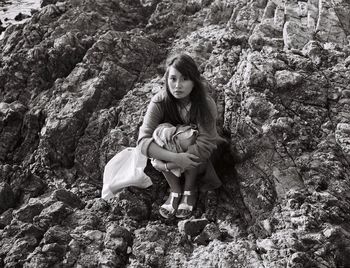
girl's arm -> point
(181, 160)
(163, 166)
(153, 117)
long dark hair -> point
(199, 112)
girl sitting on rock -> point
(183, 102)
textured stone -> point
(133, 206)
(56, 234)
(7, 198)
(151, 244)
(85, 220)
(52, 215)
(329, 28)
(117, 238)
(19, 251)
(295, 35)
(210, 232)
(11, 119)
(68, 198)
(192, 227)
(6, 218)
(47, 2)
(266, 34)
(28, 212)
(287, 80)
(313, 50)
(285, 180)
(226, 255)
(269, 11)
(342, 136)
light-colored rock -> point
(269, 11)
(342, 135)
(286, 180)
(287, 79)
(329, 28)
(313, 50)
(295, 35)
(279, 17)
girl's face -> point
(180, 86)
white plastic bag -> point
(123, 170)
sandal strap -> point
(187, 193)
(184, 204)
(173, 194)
(184, 209)
(169, 207)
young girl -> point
(184, 102)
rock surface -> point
(75, 82)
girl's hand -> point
(158, 164)
(186, 161)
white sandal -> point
(185, 209)
(170, 205)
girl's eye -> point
(185, 78)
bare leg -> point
(173, 181)
(189, 196)
(171, 204)
(190, 179)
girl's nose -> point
(178, 83)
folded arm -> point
(153, 117)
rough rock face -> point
(75, 81)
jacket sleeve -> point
(206, 141)
(152, 118)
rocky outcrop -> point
(75, 82)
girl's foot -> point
(187, 204)
(170, 205)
